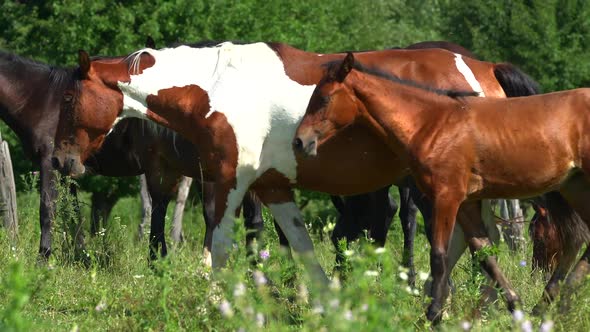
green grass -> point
(117, 291)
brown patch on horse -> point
(183, 110)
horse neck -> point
(394, 110)
(25, 98)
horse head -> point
(91, 108)
(332, 107)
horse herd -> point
(251, 122)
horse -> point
(461, 149)
(32, 113)
(547, 246)
(213, 95)
(136, 147)
(30, 97)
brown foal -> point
(460, 149)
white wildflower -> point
(380, 250)
(259, 320)
(348, 252)
(403, 275)
(334, 303)
(423, 275)
(526, 326)
(138, 276)
(259, 278)
(100, 306)
(335, 283)
(547, 326)
(303, 293)
(465, 325)
(348, 315)
(517, 315)
(239, 289)
(225, 309)
(317, 309)
(371, 273)
(364, 307)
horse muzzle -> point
(307, 147)
(68, 165)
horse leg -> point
(384, 208)
(102, 205)
(146, 205)
(445, 211)
(183, 191)
(574, 233)
(253, 222)
(229, 194)
(157, 236)
(470, 218)
(79, 223)
(161, 189)
(281, 203)
(46, 206)
(208, 201)
(407, 217)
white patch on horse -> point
(248, 84)
(290, 220)
(468, 74)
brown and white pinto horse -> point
(460, 149)
(240, 105)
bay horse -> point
(240, 105)
(461, 149)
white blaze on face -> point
(468, 74)
(248, 84)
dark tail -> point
(571, 228)
(514, 82)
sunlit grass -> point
(117, 291)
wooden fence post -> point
(7, 191)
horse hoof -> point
(434, 314)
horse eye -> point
(68, 98)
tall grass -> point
(115, 290)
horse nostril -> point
(55, 163)
(298, 143)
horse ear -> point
(84, 61)
(149, 42)
(345, 67)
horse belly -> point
(352, 162)
(514, 182)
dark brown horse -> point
(547, 246)
(30, 97)
(460, 149)
(240, 105)
(137, 147)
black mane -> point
(58, 78)
(393, 78)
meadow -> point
(112, 288)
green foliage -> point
(550, 40)
(15, 283)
